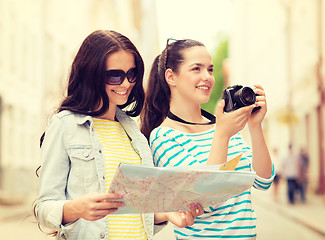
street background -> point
(276, 43)
(276, 220)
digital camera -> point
(237, 96)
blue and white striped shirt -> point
(234, 219)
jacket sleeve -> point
(53, 176)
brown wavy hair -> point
(86, 81)
(87, 76)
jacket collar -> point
(126, 122)
(82, 119)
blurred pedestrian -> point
(181, 134)
(278, 173)
(88, 137)
(303, 174)
(291, 171)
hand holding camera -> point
(237, 96)
(244, 101)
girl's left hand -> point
(257, 117)
(185, 219)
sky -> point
(199, 20)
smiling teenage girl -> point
(181, 134)
(87, 139)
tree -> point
(218, 57)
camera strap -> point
(204, 113)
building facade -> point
(38, 40)
(280, 45)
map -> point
(173, 189)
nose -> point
(125, 83)
(206, 75)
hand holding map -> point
(154, 189)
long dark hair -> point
(156, 105)
(86, 87)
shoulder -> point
(125, 119)
(169, 137)
(61, 117)
(161, 132)
(68, 115)
(67, 119)
(168, 123)
(64, 113)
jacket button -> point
(102, 235)
(100, 151)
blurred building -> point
(280, 45)
(38, 40)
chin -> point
(205, 100)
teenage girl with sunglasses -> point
(87, 139)
(181, 134)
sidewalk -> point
(311, 214)
(14, 208)
(16, 211)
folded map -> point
(168, 189)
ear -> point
(169, 76)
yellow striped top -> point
(117, 149)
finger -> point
(261, 104)
(220, 106)
(98, 214)
(242, 113)
(237, 117)
(98, 197)
(259, 92)
(189, 218)
(199, 210)
(103, 213)
(221, 103)
(260, 98)
(109, 205)
(258, 86)
(193, 210)
(111, 196)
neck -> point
(189, 112)
(110, 114)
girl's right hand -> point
(228, 124)
(182, 219)
(91, 207)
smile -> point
(120, 92)
(203, 87)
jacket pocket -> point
(83, 164)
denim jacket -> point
(73, 165)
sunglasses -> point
(170, 41)
(117, 76)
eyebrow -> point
(200, 65)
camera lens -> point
(246, 96)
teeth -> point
(119, 92)
(203, 87)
